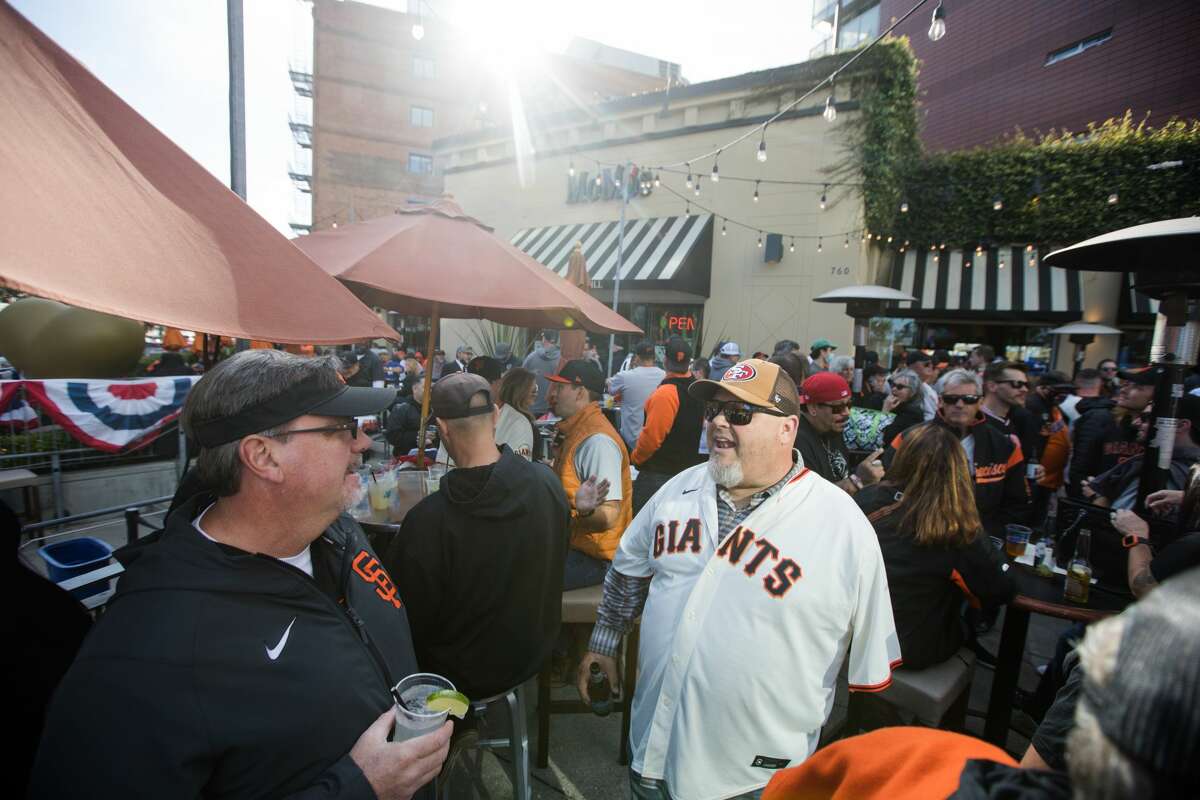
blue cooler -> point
(75, 557)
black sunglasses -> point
(736, 412)
(956, 399)
(896, 385)
(1016, 384)
(836, 408)
(352, 426)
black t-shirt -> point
(1050, 738)
(824, 454)
(1179, 556)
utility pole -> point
(237, 110)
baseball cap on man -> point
(645, 350)
(678, 352)
(313, 395)
(824, 387)
(452, 396)
(757, 382)
(822, 343)
(580, 372)
(918, 357)
(486, 367)
(731, 349)
(1142, 376)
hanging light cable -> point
(937, 24)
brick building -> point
(380, 97)
(1035, 65)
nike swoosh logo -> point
(689, 491)
(273, 652)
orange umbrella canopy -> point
(103, 211)
(410, 260)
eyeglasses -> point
(352, 426)
(836, 408)
(1108, 369)
(956, 399)
(1016, 384)
(736, 412)
(898, 384)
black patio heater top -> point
(862, 303)
(1162, 255)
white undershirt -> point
(301, 561)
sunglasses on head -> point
(1016, 384)
(956, 399)
(736, 412)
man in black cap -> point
(480, 562)
(1105, 435)
(512, 427)
(251, 647)
(635, 385)
(590, 457)
(669, 441)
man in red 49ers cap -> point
(825, 409)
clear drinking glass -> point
(413, 719)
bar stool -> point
(937, 696)
(517, 743)
(579, 607)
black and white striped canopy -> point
(656, 249)
(998, 282)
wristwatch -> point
(1133, 540)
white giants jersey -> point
(742, 640)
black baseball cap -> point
(452, 395)
(486, 367)
(580, 372)
(918, 356)
(310, 396)
(645, 350)
(678, 351)
(1142, 376)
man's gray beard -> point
(727, 475)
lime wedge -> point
(448, 700)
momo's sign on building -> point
(608, 183)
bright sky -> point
(168, 58)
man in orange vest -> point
(591, 461)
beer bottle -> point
(599, 692)
(1079, 572)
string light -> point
(599, 180)
(889, 240)
(966, 264)
(571, 169)
(1113, 198)
(819, 245)
(937, 25)
(689, 177)
(792, 247)
(723, 231)
(715, 176)
(756, 191)
(760, 240)
(762, 147)
(1028, 248)
(997, 203)
(418, 30)
(687, 208)
(846, 244)
(657, 182)
(824, 192)
(697, 189)
(942, 246)
(1001, 262)
(904, 206)
(902, 248)
(830, 112)
(1033, 262)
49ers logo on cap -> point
(739, 372)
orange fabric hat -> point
(893, 763)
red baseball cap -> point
(825, 387)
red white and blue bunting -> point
(15, 412)
(113, 416)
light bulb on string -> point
(599, 180)
(1028, 248)
(889, 240)
(762, 147)
(1001, 265)
(903, 206)
(1033, 262)
(756, 191)
(687, 208)
(824, 198)
(942, 246)
(830, 112)
(696, 191)
(997, 203)
(846, 244)
(689, 176)
(571, 169)
(723, 231)
(715, 176)
(760, 240)
(1113, 199)
(792, 246)
(937, 25)
(966, 265)
(418, 31)
(820, 245)
(657, 181)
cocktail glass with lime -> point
(423, 702)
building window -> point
(419, 164)
(1075, 49)
(421, 117)
(424, 67)
(858, 30)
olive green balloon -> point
(45, 339)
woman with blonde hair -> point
(934, 549)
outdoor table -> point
(1036, 595)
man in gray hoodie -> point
(542, 362)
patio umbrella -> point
(103, 211)
(435, 261)
(572, 341)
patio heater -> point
(862, 303)
(1162, 257)
(1082, 334)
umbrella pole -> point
(433, 337)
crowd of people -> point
(251, 647)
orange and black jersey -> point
(1001, 492)
(928, 583)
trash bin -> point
(76, 557)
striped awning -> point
(676, 250)
(1135, 306)
(1002, 282)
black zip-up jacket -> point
(1099, 442)
(219, 673)
(929, 583)
(1001, 491)
(480, 563)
